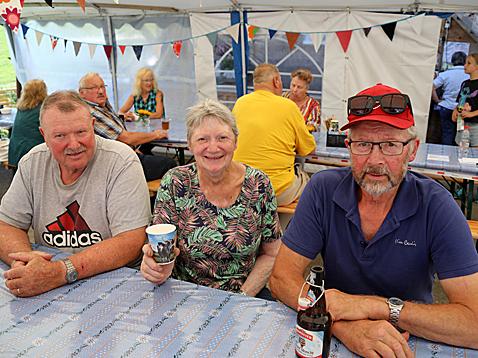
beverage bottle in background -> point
(314, 323)
(460, 123)
(465, 141)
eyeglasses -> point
(387, 148)
(97, 88)
(148, 80)
(392, 103)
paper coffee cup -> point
(162, 238)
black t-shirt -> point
(469, 90)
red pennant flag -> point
(54, 42)
(251, 31)
(122, 49)
(177, 48)
(82, 4)
(108, 50)
(292, 38)
(344, 38)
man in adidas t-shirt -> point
(79, 193)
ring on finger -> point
(18, 291)
(13, 263)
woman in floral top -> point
(225, 212)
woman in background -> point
(309, 107)
(146, 96)
(25, 133)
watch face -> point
(72, 276)
(395, 301)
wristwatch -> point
(71, 273)
(395, 305)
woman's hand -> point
(151, 270)
(129, 116)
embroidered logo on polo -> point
(70, 230)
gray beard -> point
(376, 188)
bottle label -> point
(309, 343)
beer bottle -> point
(314, 322)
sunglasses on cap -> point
(391, 103)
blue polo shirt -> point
(424, 232)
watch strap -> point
(395, 310)
(71, 272)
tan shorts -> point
(293, 192)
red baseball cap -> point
(402, 120)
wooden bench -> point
(473, 228)
(287, 209)
(153, 187)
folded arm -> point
(262, 269)
(137, 138)
(39, 274)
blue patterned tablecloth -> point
(119, 314)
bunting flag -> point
(82, 4)
(344, 38)
(122, 49)
(212, 37)
(49, 3)
(10, 11)
(177, 45)
(137, 51)
(292, 38)
(251, 31)
(65, 43)
(317, 40)
(417, 23)
(389, 29)
(92, 49)
(272, 33)
(54, 42)
(233, 31)
(39, 36)
(366, 31)
(25, 29)
(108, 49)
(157, 49)
(76, 46)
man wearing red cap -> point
(383, 233)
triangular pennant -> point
(251, 31)
(177, 45)
(417, 24)
(76, 46)
(137, 51)
(344, 38)
(54, 42)
(272, 33)
(317, 40)
(233, 31)
(292, 38)
(49, 3)
(389, 29)
(212, 37)
(157, 50)
(108, 49)
(65, 41)
(39, 36)
(25, 29)
(11, 14)
(366, 31)
(92, 49)
(122, 49)
(82, 4)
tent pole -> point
(243, 52)
(112, 42)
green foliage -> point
(7, 73)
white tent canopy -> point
(407, 62)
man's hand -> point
(343, 306)
(373, 338)
(160, 134)
(33, 273)
(129, 116)
(151, 270)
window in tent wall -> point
(224, 68)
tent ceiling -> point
(69, 8)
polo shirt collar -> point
(405, 204)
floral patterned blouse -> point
(218, 246)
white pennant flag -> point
(233, 31)
(157, 49)
(39, 36)
(317, 39)
(92, 48)
(417, 23)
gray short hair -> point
(84, 80)
(265, 73)
(64, 101)
(209, 108)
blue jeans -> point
(448, 127)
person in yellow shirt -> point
(273, 132)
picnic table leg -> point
(469, 198)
